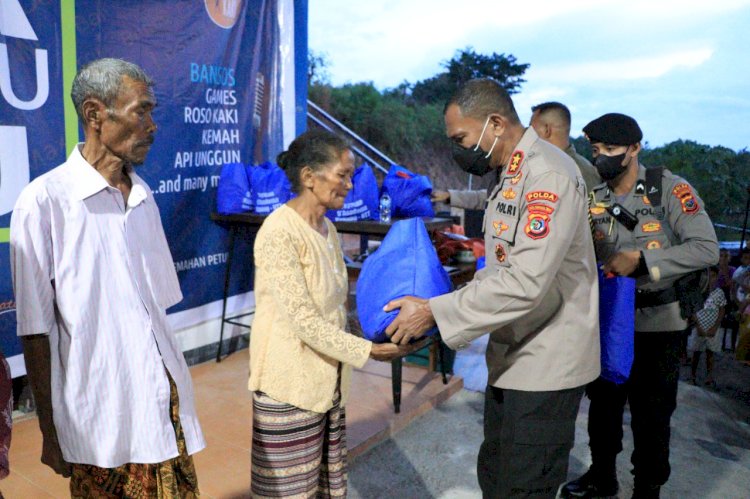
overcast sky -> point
(680, 68)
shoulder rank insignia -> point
(515, 162)
(516, 179)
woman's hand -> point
(385, 352)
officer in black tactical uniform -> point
(650, 224)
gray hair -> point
(101, 79)
(481, 97)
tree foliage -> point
(406, 123)
(467, 65)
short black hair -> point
(560, 109)
(314, 148)
(481, 97)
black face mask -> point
(471, 159)
(474, 160)
(610, 167)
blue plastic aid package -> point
(233, 191)
(410, 193)
(616, 326)
(362, 201)
(270, 187)
(406, 263)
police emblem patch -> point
(541, 196)
(538, 226)
(651, 227)
(500, 227)
(500, 253)
(515, 162)
(509, 194)
(684, 193)
(540, 209)
(653, 245)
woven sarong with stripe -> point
(297, 453)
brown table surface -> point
(364, 227)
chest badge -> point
(500, 253)
(651, 227)
(509, 194)
(500, 227)
(653, 245)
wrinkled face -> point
(128, 128)
(332, 183)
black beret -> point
(615, 129)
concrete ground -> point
(435, 455)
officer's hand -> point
(623, 263)
(414, 319)
(440, 196)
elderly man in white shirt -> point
(93, 276)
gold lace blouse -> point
(298, 337)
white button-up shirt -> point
(97, 275)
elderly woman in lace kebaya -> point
(301, 356)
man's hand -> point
(52, 456)
(623, 263)
(414, 319)
(440, 196)
(385, 352)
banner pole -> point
(69, 66)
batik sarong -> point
(172, 479)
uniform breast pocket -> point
(650, 235)
(502, 233)
(652, 241)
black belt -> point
(646, 299)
